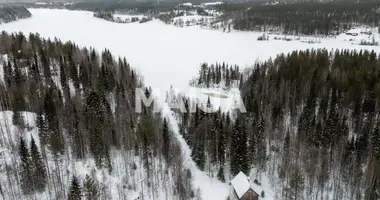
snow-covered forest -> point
(312, 125)
(69, 127)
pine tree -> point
(26, 177)
(90, 189)
(75, 191)
(38, 167)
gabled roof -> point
(242, 184)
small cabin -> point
(243, 189)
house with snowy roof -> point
(243, 189)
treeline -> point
(84, 108)
(304, 18)
(13, 13)
(140, 7)
(109, 16)
(321, 110)
(218, 75)
(104, 15)
(312, 125)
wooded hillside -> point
(83, 103)
(312, 126)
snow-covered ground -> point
(167, 55)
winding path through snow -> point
(211, 188)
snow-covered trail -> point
(211, 188)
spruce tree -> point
(261, 143)
(90, 189)
(297, 184)
(42, 128)
(199, 156)
(239, 157)
(17, 119)
(286, 155)
(376, 141)
(221, 175)
(94, 112)
(78, 146)
(222, 143)
(26, 177)
(62, 73)
(75, 191)
(55, 135)
(212, 139)
(7, 70)
(38, 167)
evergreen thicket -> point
(84, 107)
(220, 74)
(312, 122)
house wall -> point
(250, 195)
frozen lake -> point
(165, 55)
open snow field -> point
(167, 55)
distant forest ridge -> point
(12, 13)
(282, 17)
